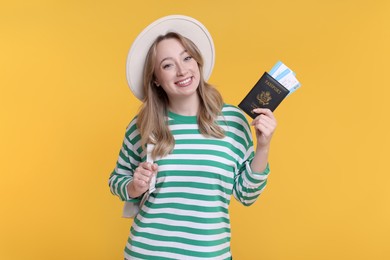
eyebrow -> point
(170, 58)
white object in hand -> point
(149, 149)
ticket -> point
(285, 76)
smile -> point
(184, 83)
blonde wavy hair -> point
(153, 114)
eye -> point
(167, 66)
(188, 58)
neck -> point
(185, 107)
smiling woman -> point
(178, 74)
(203, 151)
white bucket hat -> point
(184, 25)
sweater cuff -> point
(254, 179)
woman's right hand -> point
(141, 179)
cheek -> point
(198, 74)
(195, 68)
(160, 76)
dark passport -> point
(267, 93)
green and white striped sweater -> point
(187, 217)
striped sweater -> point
(187, 217)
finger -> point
(146, 165)
(264, 111)
(267, 121)
(261, 117)
(142, 178)
(148, 169)
(260, 125)
(261, 121)
(141, 182)
(256, 120)
(264, 131)
(154, 167)
(267, 117)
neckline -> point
(183, 119)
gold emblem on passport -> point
(264, 98)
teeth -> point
(184, 81)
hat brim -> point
(184, 25)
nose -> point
(181, 69)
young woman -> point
(202, 152)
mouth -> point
(185, 82)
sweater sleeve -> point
(127, 162)
(248, 185)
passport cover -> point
(267, 93)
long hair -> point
(152, 117)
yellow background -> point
(65, 105)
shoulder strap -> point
(131, 209)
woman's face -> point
(176, 71)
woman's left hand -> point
(265, 125)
